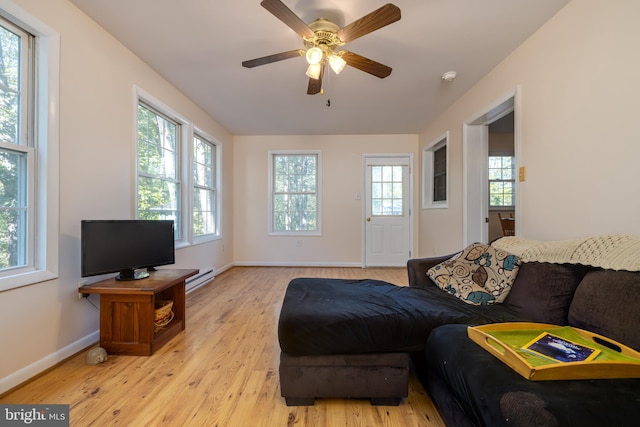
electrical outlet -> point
(80, 294)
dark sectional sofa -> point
(472, 388)
(354, 338)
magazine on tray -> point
(560, 349)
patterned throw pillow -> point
(479, 275)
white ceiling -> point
(199, 45)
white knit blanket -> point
(616, 252)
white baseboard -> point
(224, 268)
(296, 264)
(30, 371)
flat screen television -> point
(123, 246)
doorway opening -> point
(489, 193)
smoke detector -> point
(449, 76)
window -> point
(204, 187)
(177, 172)
(159, 182)
(501, 181)
(16, 152)
(440, 174)
(387, 198)
(295, 196)
(435, 164)
(29, 59)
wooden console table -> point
(127, 310)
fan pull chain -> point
(328, 81)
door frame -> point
(475, 151)
(365, 156)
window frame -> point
(186, 134)
(428, 173)
(512, 181)
(382, 183)
(178, 180)
(217, 149)
(271, 192)
(42, 148)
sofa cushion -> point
(543, 291)
(493, 394)
(343, 316)
(479, 275)
(607, 302)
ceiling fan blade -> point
(387, 14)
(365, 64)
(315, 85)
(286, 15)
(272, 58)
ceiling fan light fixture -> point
(314, 71)
(314, 55)
(337, 63)
(322, 36)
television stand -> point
(127, 310)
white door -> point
(387, 211)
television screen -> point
(122, 246)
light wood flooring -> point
(221, 371)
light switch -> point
(522, 173)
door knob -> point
(369, 219)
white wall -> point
(579, 139)
(342, 215)
(44, 322)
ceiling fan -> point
(321, 39)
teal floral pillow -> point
(479, 275)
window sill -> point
(206, 239)
(444, 205)
(25, 279)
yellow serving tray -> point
(505, 341)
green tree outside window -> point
(158, 167)
(501, 181)
(295, 195)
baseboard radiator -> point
(205, 275)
